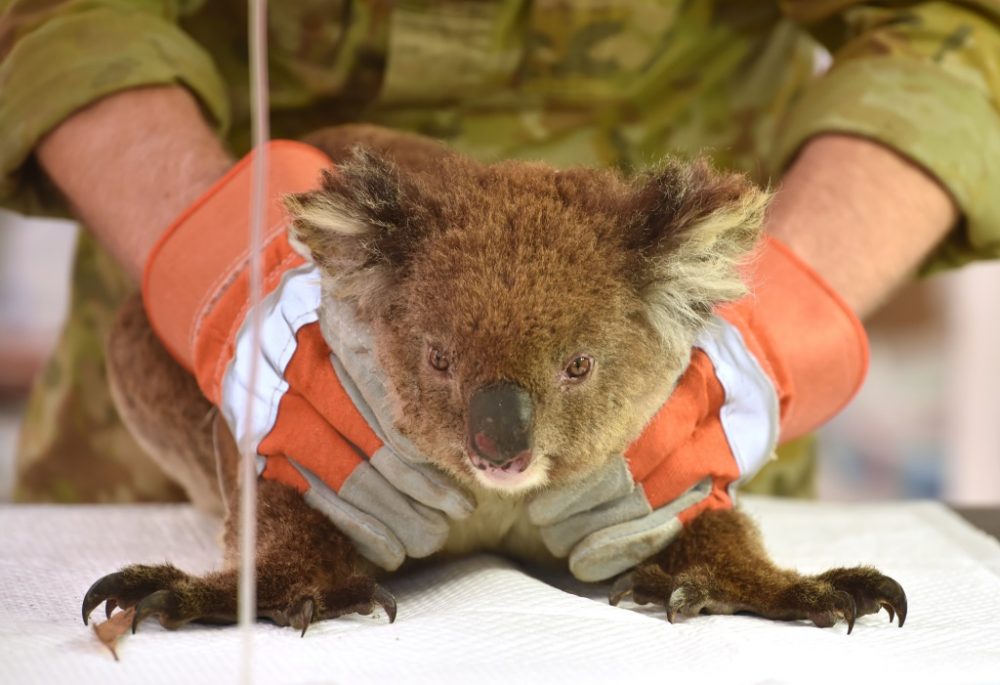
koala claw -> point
(97, 593)
(162, 603)
(870, 590)
(894, 605)
(303, 616)
(840, 606)
(621, 589)
(889, 610)
(628, 586)
(100, 591)
(386, 600)
(126, 588)
(687, 600)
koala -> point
(575, 294)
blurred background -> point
(35, 259)
(926, 423)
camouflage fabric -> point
(73, 447)
(591, 82)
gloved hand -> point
(317, 420)
(774, 365)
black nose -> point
(500, 422)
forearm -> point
(862, 216)
(130, 163)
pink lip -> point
(509, 473)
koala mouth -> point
(509, 473)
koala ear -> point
(692, 227)
(360, 218)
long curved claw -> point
(871, 591)
(882, 593)
(386, 600)
(889, 610)
(160, 602)
(893, 599)
(304, 616)
(621, 589)
(102, 589)
(848, 608)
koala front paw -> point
(841, 594)
(177, 598)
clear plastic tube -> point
(260, 122)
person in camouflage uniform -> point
(592, 83)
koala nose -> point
(500, 423)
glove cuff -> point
(814, 344)
(196, 281)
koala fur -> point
(550, 264)
(511, 272)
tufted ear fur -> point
(361, 224)
(693, 227)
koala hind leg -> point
(718, 565)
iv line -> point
(257, 10)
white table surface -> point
(484, 620)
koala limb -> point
(307, 570)
(718, 565)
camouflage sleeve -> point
(923, 78)
(56, 57)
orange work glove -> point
(772, 366)
(315, 419)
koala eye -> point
(438, 359)
(579, 367)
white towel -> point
(485, 620)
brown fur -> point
(511, 269)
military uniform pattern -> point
(594, 82)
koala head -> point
(530, 321)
